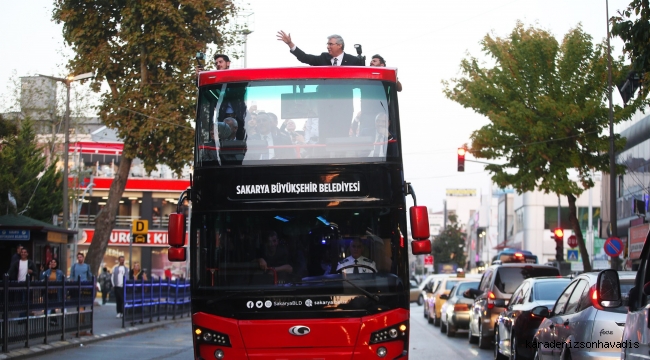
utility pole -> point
(66, 144)
(612, 155)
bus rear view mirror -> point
(421, 247)
(176, 254)
(420, 230)
(176, 230)
(419, 222)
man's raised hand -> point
(286, 38)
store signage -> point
(637, 238)
(14, 234)
(123, 238)
(305, 186)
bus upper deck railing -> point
(29, 309)
(154, 299)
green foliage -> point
(22, 164)
(546, 103)
(449, 246)
(633, 26)
(144, 51)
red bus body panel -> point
(303, 72)
(328, 339)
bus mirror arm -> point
(408, 190)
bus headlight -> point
(211, 337)
(395, 332)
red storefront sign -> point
(638, 235)
(121, 238)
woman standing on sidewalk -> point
(137, 273)
(54, 295)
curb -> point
(38, 350)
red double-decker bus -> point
(297, 210)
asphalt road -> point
(173, 342)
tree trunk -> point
(575, 225)
(105, 221)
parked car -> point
(516, 326)
(580, 319)
(498, 284)
(454, 314)
(433, 301)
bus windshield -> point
(306, 250)
(296, 122)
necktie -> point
(356, 268)
(336, 60)
(266, 154)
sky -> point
(425, 40)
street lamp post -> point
(66, 129)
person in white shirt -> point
(382, 135)
(117, 280)
(22, 268)
(356, 263)
(333, 57)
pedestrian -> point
(117, 280)
(16, 256)
(136, 273)
(53, 274)
(335, 56)
(105, 284)
(22, 268)
(378, 61)
(80, 270)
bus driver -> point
(355, 263)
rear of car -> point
(498, 284)
(455, 314)
(577, 318)
(436, 301)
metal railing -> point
(29, 309)
(154, 299)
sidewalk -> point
(106, 326)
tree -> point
(633, 26)
(449, 246)
(143, 51)
(546, 105)
(24, 172)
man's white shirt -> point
(362, 260)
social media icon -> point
(250, 304)
(259, 304)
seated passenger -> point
(382, 137)
(275, 255)
(356, 263)
(265, 133)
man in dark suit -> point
(272, 139)
(333, 57)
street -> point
(173, 342)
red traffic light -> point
(461, 159)
(558, 233)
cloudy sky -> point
(425, 40)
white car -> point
(583, 324)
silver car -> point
(578, 327)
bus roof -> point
(302, 72)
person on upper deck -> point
(333, 57)
(379, 61)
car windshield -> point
(297, 248)
(508, 279)
(549, 290)
(464, 286)
(451, 283)
(296, 122)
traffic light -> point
(558, 236)
(461, 159)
